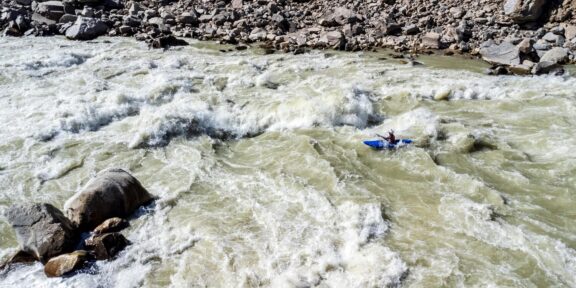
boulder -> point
(570, 32)
(52, 10)
(556, 55)
(187, 18)
(68, 18)
(521, 11)
(42, 230)
(111, 225)
(339, 16)
(331, 39)
(106, 246)
(554, 38)
(544, 67)
(65, 263)
(20, 257)
(86, 29)
(504, 54)
(113, 193)
(431, 40)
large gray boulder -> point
(42, 230)
(504, 54)
(113, 193)
(86, 29)
(556, 55)
(524, 10)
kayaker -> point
(391, 137)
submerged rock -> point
(66, 263)
(111, 225)
(106, 246)
(113, 193)
(42, 230)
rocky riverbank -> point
(517, 36)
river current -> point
(262, 177)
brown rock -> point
(111, 225)
(113, 193)
(106, 246)
(65, 263)
(525, 46)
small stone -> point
(111, 225)
(106, 246)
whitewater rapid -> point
(262, 177)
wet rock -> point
(20, 257)
(106, 246)
(111, 225)
(113, 193)
(521, 11)
(66, 263)
(86, 29)
(556, 55)
(545, 67)
(167, 41)
(523, 69)
(504, 54)
(42, 230)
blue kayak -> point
(383, 144)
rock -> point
(503, 54)
(68, 18)
(86, 29)
(113, 193)
(522, 69)
(106, 246)
(457, 12)
(442, 94)
(541, 45)
(525, 46)
(258, 34)
(20, 257)
(331, 39)
(431, 40)
(556, 55)
(42, 230)
(339, 16)
(111, 225)
(411, 29)
(24, 2)
(521, 11)
(65, 263)
(570, 32)
(42, 20)
(237, 4)
(52, 10)
(187, 18)
(544, 67)
(554, 38)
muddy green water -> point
(262, 177)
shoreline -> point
(520, 39)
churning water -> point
(263, 180)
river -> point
(262, 177)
